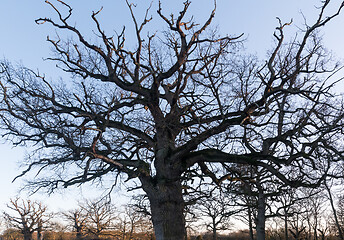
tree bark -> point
(27, 235)
(260, 225)
(214, 231)
(286, 225)
(78, 235)
(40, 230)
(167, 207)
(78, 228)
(250, 223)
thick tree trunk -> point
(78, 228)
(167, 208)
(40, 230)
(260, 225)
(79, 234)
(27, 235)
(39, 236)
(214, 231)
(315, 230)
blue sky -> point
(22, 40)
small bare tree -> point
(216, 212)
(130, 222)
(100, 216)
(77, 217)
(27, 216)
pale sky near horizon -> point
(22, 40)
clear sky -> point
(21, 40)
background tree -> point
(130, 222)
(26, 216)
(181, 101)
(298, 222)
(77, 218)
(139, 207)
(314, 211)
(215, 212)
(57, 231)
(100, 216)
(285, 203)
(256, 191)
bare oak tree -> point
(182, 103)
(26, 216)
(100, 216)
(215, 212)
(131, 221)
(77, 218)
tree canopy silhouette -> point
(180, 105)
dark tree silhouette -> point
(181, 104)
